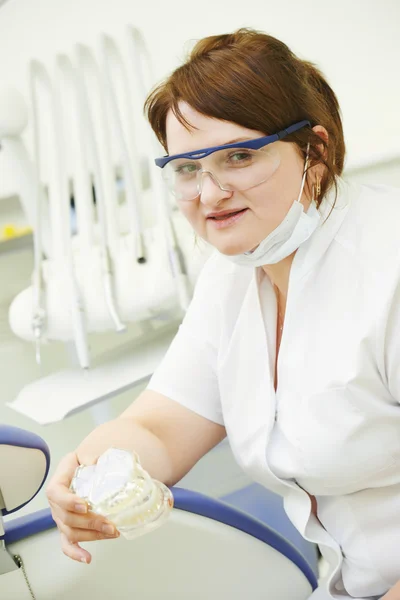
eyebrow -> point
(239, 139)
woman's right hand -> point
(75, 523)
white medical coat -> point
(338, 367)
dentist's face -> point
(263, 207)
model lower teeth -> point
(118, 488)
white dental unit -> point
(99, 263)
(99, 267)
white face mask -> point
(294, 230)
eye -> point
(240, 156)
(185, 169)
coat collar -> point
(333, 211)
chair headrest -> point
(24, 465)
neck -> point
(279, 274)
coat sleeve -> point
(391, 332)
(188, 371)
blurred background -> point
(356, 45)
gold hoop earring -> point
(317, 188)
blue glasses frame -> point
(252, 144)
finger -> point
(59, 496)
(75, 536)
(90, 521)
(74, 551)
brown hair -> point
(253, 79)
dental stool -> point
(206, 550)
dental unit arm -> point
(13, 121)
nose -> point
(211, 191)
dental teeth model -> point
(118, 488)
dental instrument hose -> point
(85, 62)
(75, 297)
(177, 261)
(39, 312)
(112, 57)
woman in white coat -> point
(290, 346)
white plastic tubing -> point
(88, 82)
(88, 108)
(142, 70)
(59, 203)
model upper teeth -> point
(118, 488)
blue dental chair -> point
(206, 550)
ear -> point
(322, 132)
(319, 168)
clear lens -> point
(234, 169)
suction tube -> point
(60, 93)
(112, 63)
(141, 66)
(78, 167)
(39, 78)
(105, 195)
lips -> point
(224, 214)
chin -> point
(234, 248)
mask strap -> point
(304, 173)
